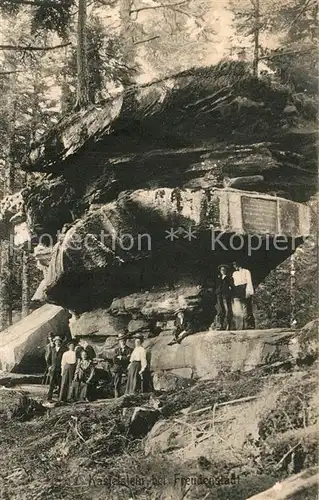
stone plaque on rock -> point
(259, 215)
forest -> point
(134, 116)
(61, 56)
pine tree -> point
(295, 60)
(6, 250)
(25, 283)
(82, 96)
(55, 17)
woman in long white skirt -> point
(137, 369)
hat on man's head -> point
(180, 310)
(121, 336)
(57, 337)
(138, 336)
(223, 265)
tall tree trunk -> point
(5, 284)
(25, 277)
(25, 297)
(256, 37)
(64, 95)
(6, 247)
(81, 53)
(9, 171)
(126, 34)
(64, 86)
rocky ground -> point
(228, 438)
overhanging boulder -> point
(22, 345)
(105, 253)
(96, 323)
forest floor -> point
(242, 432)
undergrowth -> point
(85, 451)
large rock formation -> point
(139, 199)
(112, 250)
(208, 354)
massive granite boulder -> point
(169, 237)
(22, 345)
(210, 353)
(132, 195)
(211, 127)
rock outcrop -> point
(118, 243)
(16, 405)
(22, 345)
(173, 380)
(210, 353)
(138, 200)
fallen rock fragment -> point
(16, 405)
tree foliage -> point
(294, 27)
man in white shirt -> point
(243, 291)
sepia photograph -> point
(159, 250)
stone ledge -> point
(209, 353)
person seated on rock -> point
(84, 345)
(223, 290)
(182, 327)
(242, 293)
(83, 378)
(137, 373)
(121, 360)
(54, 362)
(68, 365)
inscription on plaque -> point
(259, 215)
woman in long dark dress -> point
(83, 376)
(224, 288)
(137, 369)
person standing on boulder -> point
(121, 361)
(54, 362)
(224, 287)
(68, 365)
(243, 291)
(137, 368)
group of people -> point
(233, 289)
(132, 363)
(71, 368)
